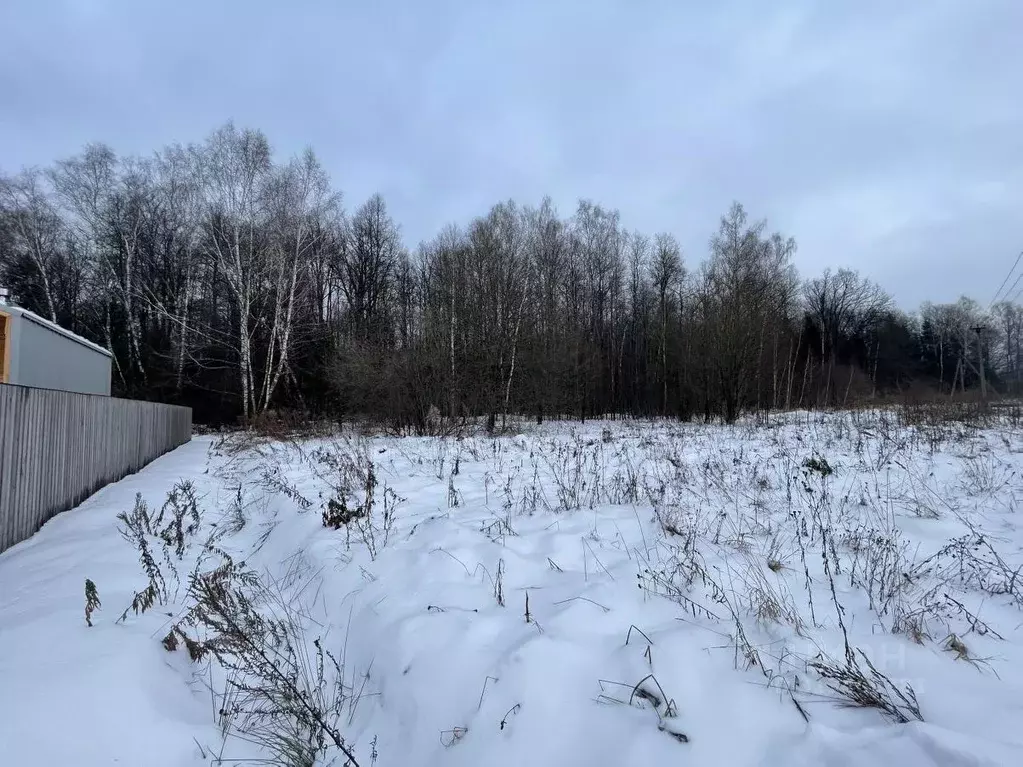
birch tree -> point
(34, 236)
(298, 203)
(234, 168)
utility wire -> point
(1015, 296)
(1013, 269)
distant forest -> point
(224, 279)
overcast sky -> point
(885, 136)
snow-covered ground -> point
(607, 594)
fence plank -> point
(57, 448)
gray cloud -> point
(883, 136)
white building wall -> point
(46, 356)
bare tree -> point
(842, 304)
(223, 278)
(299, 202)
(740, 295)
(35, 232)
(367, 268)
(666, 273)
(234, 167)
(1008, 320)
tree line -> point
(225, 279)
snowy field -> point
(819, 590)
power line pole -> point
(980, 357)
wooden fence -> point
(57, 448)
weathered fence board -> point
(57, 448)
